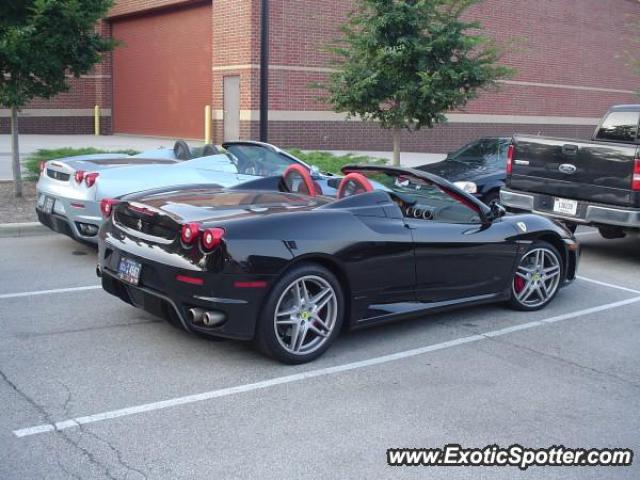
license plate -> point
(565, 206)
(129, 271)
(48, 205)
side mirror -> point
(497, 210)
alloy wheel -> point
(537, 277)
(305, 315)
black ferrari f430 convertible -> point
(275, 262)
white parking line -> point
(605, 284)
(297, 377)
(49, 292)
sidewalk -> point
(31, 143)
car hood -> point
(206, 204)
(456, 171)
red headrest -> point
(353, 184)
(298, 180)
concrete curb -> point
(23, 229)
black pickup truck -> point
(580, 182)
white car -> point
(70, 190)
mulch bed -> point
(18, 210)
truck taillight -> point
(635, 179)
(510, 152)
(43, 165)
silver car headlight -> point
(468, 187)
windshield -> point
(490, 151)
(259, 160)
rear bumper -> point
(77, 218)
(587, 214)
(160, 293)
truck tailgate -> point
(597, 172)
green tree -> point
(406, 63)
(41, 42)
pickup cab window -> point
(619, 127)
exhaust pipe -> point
(195, 315)
(213, 319)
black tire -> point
(267, 340)
(514, 301)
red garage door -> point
(162, 72)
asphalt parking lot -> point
(93, 388)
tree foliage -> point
(41, 41)
(406, 63)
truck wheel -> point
(537, 277)
(302, 316)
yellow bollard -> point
(207, 124)
(96, 120)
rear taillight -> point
(510, 152)
(190, 233)
(42, 166)
(635, 179)
(79, 176)
(90, 179)
(212, 237)
(106, 206)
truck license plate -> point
(129, 271)
(565, 206)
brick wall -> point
(369, 137)
(569, 64)
(569, 55)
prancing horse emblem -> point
(140, 224)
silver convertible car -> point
(70, 190)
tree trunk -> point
(396, 147)
(15, 150)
